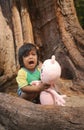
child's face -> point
(30, 60)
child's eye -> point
(34, 54)
(26, 54)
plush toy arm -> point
(59, 99)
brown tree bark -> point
(72, 37)
(59, 30)
(26, 23)
(19, 114)
(17, 28)
(7, 50)
(54, 28)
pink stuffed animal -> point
(50, 72)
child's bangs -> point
(26, 53)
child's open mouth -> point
(31, 62)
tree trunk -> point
(26, 23)
(17, 28)
(19, 114)
(59, 30)
(7, 49)
(52, 25)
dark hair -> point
(23, 50)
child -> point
(29, 71)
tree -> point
(80, 11)
(51, 25)
(59, 30)
(19, 114)
(54, 27)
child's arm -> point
(34, 88)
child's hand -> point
(36, 83)
(45, 86)
(41, 86)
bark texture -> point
(16, 113)
(57, 31)
(7, 50)
(52, 25)
(26, 22)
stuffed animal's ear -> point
(53, 59)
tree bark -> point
(59, 30)
(66, 31)
(16, 113)
(7, 50)
(52, 25)
(26, 23)
(17, 28)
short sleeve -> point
(22, 78)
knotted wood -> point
(19, 114)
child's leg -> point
(34, 97)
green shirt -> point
(25, 77)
